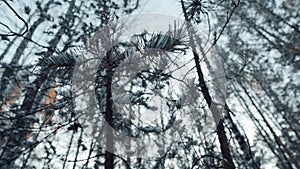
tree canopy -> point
(99, 84)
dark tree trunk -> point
(109, 156)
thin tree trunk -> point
(109, 156)
(281, 146)
(228, 162)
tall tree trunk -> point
(109, 156)
(228, 162)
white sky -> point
(170, 7)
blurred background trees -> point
(41, 128)
(30, 86)
(262, 59)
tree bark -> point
(109, 156)
(228, 162)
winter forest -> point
(137, 84)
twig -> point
(11, 32)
